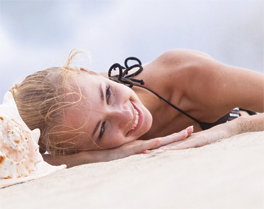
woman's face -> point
(109, 113)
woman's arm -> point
(134, 147)
(240, 125)
(131, 148)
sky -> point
(35, 35)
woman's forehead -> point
(84, 83)
(87, 98)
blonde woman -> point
(86, 117)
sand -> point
(226, 174)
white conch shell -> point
(18, 153)
(20, 159)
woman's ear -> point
(88, 71)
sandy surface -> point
(227, 174)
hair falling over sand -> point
(42, 99)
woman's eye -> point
(108, 93)
(102, 130)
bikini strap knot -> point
(123, 76)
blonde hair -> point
(42, 99)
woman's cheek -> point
(112, 141)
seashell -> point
(20, 159)
(18, 154)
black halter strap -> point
(123, 76)
(126, 79)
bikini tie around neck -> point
(123, 76)
(126, 79)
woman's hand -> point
(199, 139)
(202, 138)
(131, 148)
(219, 132)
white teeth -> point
(136, 121)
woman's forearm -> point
(130, 148)
(222, 131)
(249, 123)
(77, 159)
(237, 126)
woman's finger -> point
(189, 130)
(141, 145)
(198, 140)
(172, 139)
(191, 144)
(171, 146)
(176, 137)
(135, 147)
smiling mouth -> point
(137, 120)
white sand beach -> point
(226, 174)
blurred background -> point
(36, 34)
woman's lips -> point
(137, 120)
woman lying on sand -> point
(85, 117)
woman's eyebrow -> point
(102, 101)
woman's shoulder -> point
(182, 54)
(175, 65)
(177, 61)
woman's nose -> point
(122, 115)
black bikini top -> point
(127, 79)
